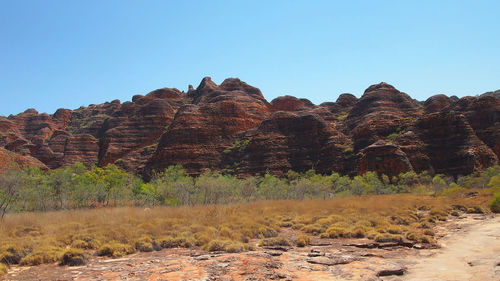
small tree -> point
(439, 184)
(10, 182)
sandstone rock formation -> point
(201, 131)
(12, 160)
(231, 127)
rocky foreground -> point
(469, 251)
(231, 127)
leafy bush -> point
(393, 136)
(76, 186)
(454, 191)
(495, 204)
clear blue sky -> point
(69, 53)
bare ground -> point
(470, 250)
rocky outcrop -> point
(343, 104)
(231, 127)
(437, 103)
(290, 141)
(134, 126)
(89, 120)
(483, 115)
(289, 103)
(415, 149)
(201, 131)
(452, 145)
(495, 94)
(384, 158)
(12, 160)
(381, 111)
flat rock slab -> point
(329, 261)
(398, 270)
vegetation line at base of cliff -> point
(75, 186)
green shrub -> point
(74, 257)
(454, 191)
(393, 136)
(495, 204)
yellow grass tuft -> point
(43, 254)
(115, 249)
(275, 241)
(74, 257)
(303, 240)
(3, 269)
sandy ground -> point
(470, 253)
(470, 250)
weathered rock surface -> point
(202, 131)
(291, 141)
(381, 111)
(483, 115)
(134, 126)
(9, 160)
(437, 103)
(289, 103)
(495, 94)
(384, 158)
(452, 145)
(231, 127)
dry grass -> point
(275, 241)
(3, 269)
(34, 238)
(303, 240)
(74, 257)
